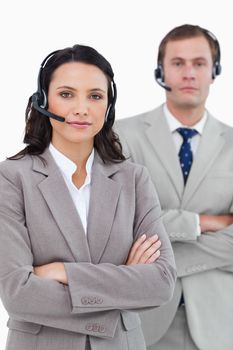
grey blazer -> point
(204, 264)
(39, 224)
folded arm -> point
(31, 298)
(211, 250)
(107, 287)
(144, 251)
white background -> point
(126, 32)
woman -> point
(82, 241)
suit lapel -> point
(161, 140)
(209, 148)
(60, 203)
(103, 202)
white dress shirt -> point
(173, 125)
(81, 196)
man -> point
(190, 158)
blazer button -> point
(101, 329)
(95, 327)
(89, 327)
(84, 300)
(99, 300)
(91, 300)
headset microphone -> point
(44, 111)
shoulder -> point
(128, 165)
(225, 129)
(12, 166)
(13, 170)
(131, 171)
(135, 179)
(137, 121)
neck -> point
(77, 152)
(186, 115)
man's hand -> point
(213, 223)
(55, 271)
(144, 250)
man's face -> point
(188, 71)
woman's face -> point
(79, 93)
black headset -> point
(40, 101)
(216, 70)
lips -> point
(79, 123)
(188, 88)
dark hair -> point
(187, 31)
(38, 130)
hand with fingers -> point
(145, 250)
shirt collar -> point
(67, 166)
(174, 124)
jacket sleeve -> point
(108, 287)
(25, 296)
(210, 251)
(181, 225)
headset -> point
(216, 70)
(40, 101)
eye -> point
(200, 63)
(65, 94)
(177, 63)
(96, 97)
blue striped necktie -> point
(185, 153)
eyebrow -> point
(73, 89)
(193, 59)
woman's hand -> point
(144, 250)
(55, 271)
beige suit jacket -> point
(39, 224)
(204, 264)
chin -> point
(189, 103)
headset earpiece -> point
(159, 77)
(43, 100)
(216, 69)
(40, 98)
(110, 113)
(159, 74)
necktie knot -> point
(187, 133)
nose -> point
(188, 72)
(80, 107)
